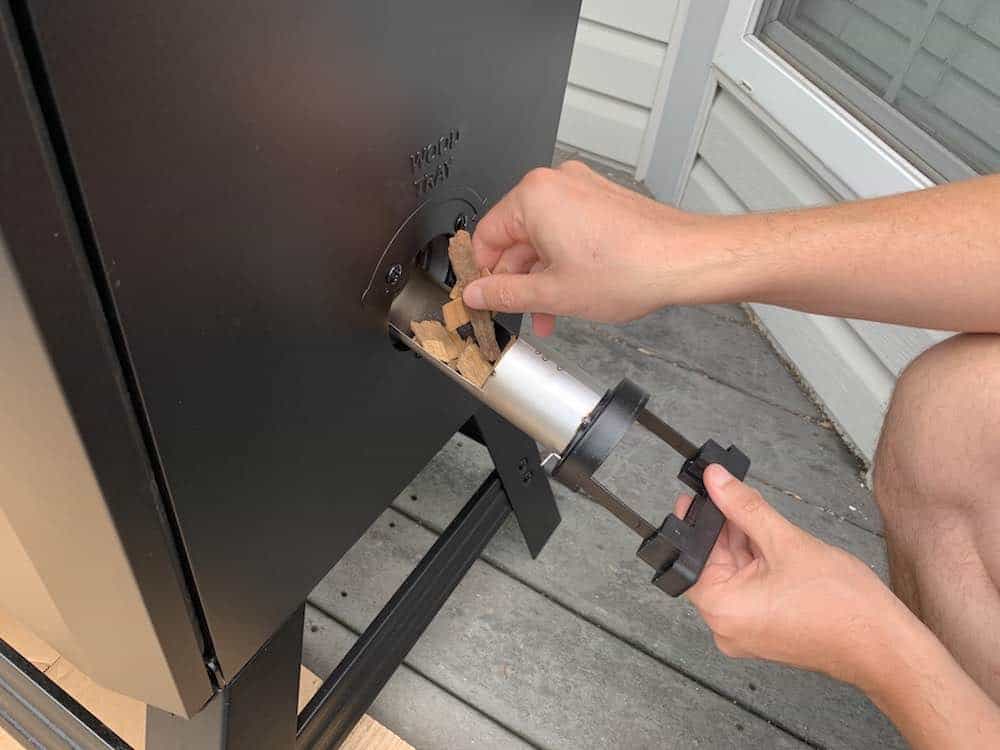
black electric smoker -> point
(577, 428)
(211, 215)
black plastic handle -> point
(681, 546)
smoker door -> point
(87, 557)
(242, 166)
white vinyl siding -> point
(617, 64)
(935, 61)
(745, 155)
(602, 125)
(743, 165)
(649, 18)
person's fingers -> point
(506, 224)
(734, 538)
(516, 259)
(743, 506)
(513, 292)
(740, 544)
(730, 548)
(722, 558)
(501, 228)
(543, 324)
(719, 570)
(576, 168)
(682, 505)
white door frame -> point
(850, 365)
(833, 135)
(681, 104)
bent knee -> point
(941, 436)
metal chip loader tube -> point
(581, 429)
(527, 387)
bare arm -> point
(929, 259)
(569, 242)
(772, 591)
(929, 698)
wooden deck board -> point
(127, 717)
(589, 568)
(551, 677)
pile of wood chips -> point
(473, 356)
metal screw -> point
(394, 274)
(461, 222)
(215, 671)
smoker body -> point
(194, 198)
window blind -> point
(937, 62)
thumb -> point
(511, 292)
(745, 508)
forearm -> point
(913, 679)
(929, 259)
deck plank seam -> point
(625, 341)
(822, 508)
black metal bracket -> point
(517, 483)
(348, 692)
(517, 462)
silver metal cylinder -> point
(527, 387)
(538, 396)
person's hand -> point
(567, 241)
(772, 591)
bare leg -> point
(937, 483)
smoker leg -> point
(347, 693)
(515, 456)
(257, 709)
(471, 430)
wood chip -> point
(437, 340)
(463, 261)
(472, 365)
(482, 326)
(463, 258)
(456, 314)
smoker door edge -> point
(76, 488)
